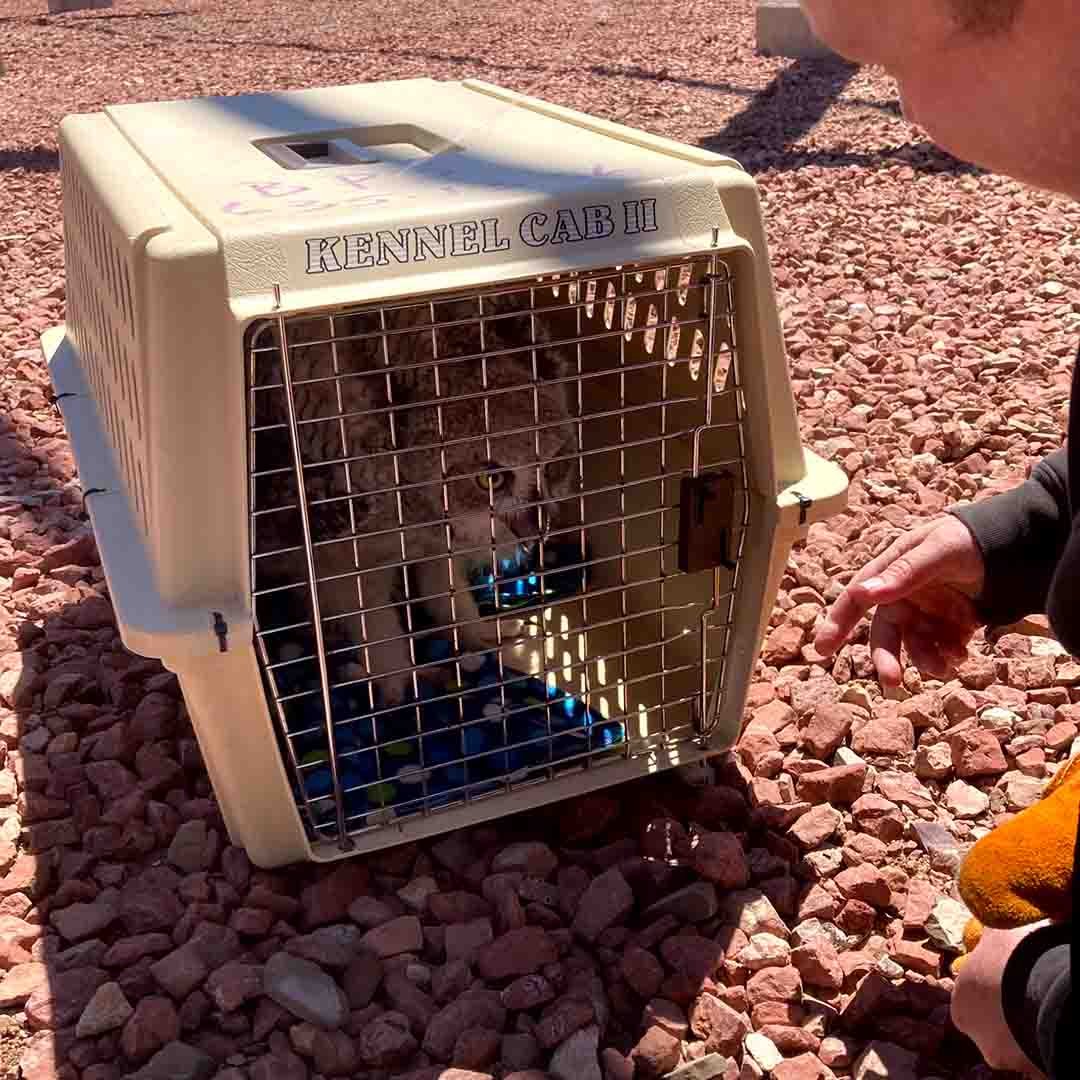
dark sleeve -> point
(1021, 534)
(1036, 992)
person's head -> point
(995, 82)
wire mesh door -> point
(469, 533)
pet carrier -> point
(439, 439)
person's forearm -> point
(1021, 534)
(1037, 1001)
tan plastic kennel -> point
(439, 439)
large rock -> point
(402, 935)
(518, 952)
(607, 900)
(177, 1061)
(720, 858)
(59, 1001)
(305, 990)
(695, 903)
(386, 1042)
(474, 1009)
(578, 1057)
(107, 1010)
(885, 1061)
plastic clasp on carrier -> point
(706, 520)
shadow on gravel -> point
(36, 159)
(764, 134)
(662, 76)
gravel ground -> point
(795, 918)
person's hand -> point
(922, 585)
(976, 1002)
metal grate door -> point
(494, 535)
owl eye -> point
(493, 481)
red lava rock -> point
(816, 826)
(476, 1048)
(582, 820)
(407, 998)
(451, 981)
(920, 901)
(362, 978)
(615, 1065)
(721, 1027)
(606, 901)
(840, 785)
(759, 750)
(519, 1051)
(233, 984)
(464, 940)
(916, 957)
(402, 935)
(856, 917)
(668, 1015)
(826, 729)
(891, 735)
(879, 817)
(333, 1053)
(385, 1043)
(774, 716)
(693, 956)
(642, 971)
(783, 645)
(79, 921)
(561, 1020)
(866, 883)
(330, 946)
(774, 984)
(656, 1054)
(279, 1066)
(791, 1040)
(1060, 737)
(976, 752)
(59, 1001)
(528, 992)
(454, 907)
(532, 858)
(153, 1024)
(476, 1008)
(518, 952)
(719, 857)
(803, 1067)
(818, 964)
(146, 906)
(181, 971)
(328, 900)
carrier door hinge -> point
(706, 521)
(221, 629)
(804, 506)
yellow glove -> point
(1022, 871)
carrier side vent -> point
(102, 320)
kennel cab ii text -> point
(419, 243)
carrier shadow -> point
(33, 159)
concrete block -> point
(59, 7)
(783, 30)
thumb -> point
(906, 574)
